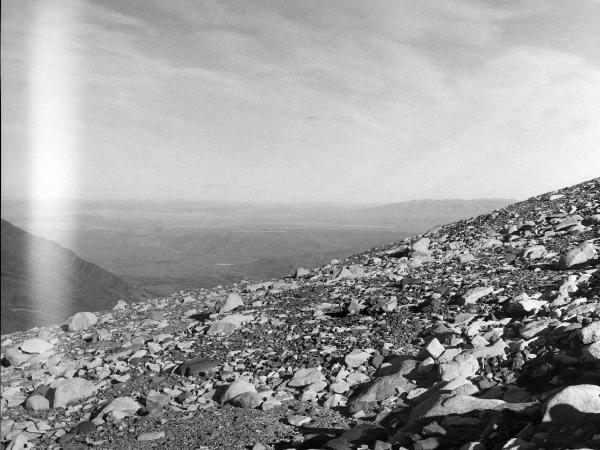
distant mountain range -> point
(62, 285)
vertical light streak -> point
(53, 127)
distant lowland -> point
(98, 252)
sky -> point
(298, 101)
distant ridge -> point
(419, 215)
(91, 287)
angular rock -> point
(229, 323)
(447, 404)
(247, 400)
(578, 255)
(304, 377)
(121, 407)
(474, 294)
(356, 358)
(230, 303)
(70, 390)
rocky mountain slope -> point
(481, 334)
(69, 284)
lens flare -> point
(53, 138)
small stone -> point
(121, 305)
(298, 420)
(435, 348)
(151, 436)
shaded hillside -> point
(64, 284)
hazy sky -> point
(363, 101)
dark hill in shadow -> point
(61, 284)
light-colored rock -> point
(82, 321)
(36, 345)
(446, 404)
(534, 252)
(16, 357)
(247, 400)
(421, 246)
(121, 407)
(70, 390)
(435, 348)
(229, 323)
(474, 294)
(37, 403)
(463, 365)
(230, 303)
(591, 333)
(121, 305)
(236, 388)
(151, 436)
(392, 382)
(572, 404)
(577, 255)
(533, 329)
(465, 258)
(304, 377)
(301, 272)
(591, 352)
(356, 358)
(298, 420)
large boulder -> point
(577, 255)
(445, 404)
(574, 404)
(237, 388)
(230, 303)
(392, 381)
(82, 321)
(70, 390)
